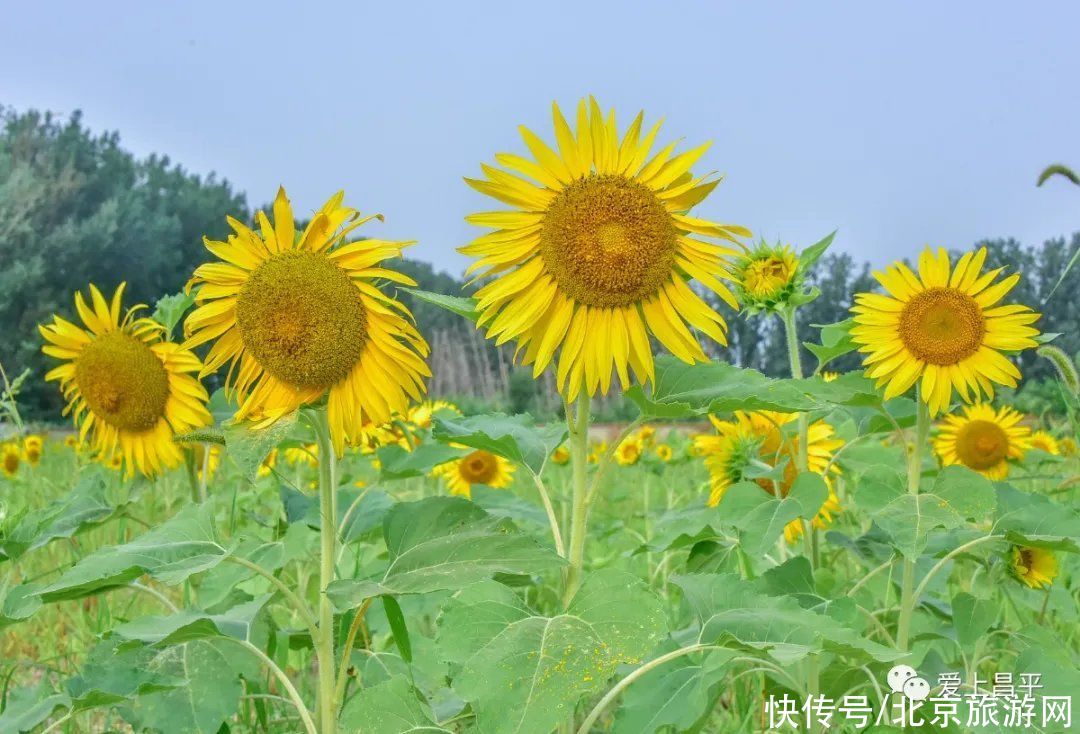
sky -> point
(899, 124)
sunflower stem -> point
(328, 534)
(908, 597)
(579, 514)
(813, 672)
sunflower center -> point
(608, 241)
(302, 319)
(479, 467)
(981, 444)
(942, 326)
(11, 462)
(122, 381)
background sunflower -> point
(478, 467)
(943, 327)
(128, 390)
(983, 439)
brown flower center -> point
(981, 445)
(479, 467)
(302, 319)
(942, 326)
(122, 381)
(608, 241)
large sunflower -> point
(983, 440)
(127, 388)
(478, 467)
(942, 326)
(757, 441)
(299, 317)
(598, 253)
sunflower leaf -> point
(761, 517)
(516, 438)
(248, 447)
(836, 341)
(390, 707)
(456, 304)
(683, 390)
(442, 543)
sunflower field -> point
(258, 520)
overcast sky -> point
(923, 123)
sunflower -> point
(1044, 441)
(479, 467)
(12, 459)
(1036, 568)
(663, 452)
(561, 455)
(266, 468)
(983, 440)
(1068, 446)
(829, 376)
(422, 414)
(129, 390)
(305, 455)
(942, 326)
(72, 442)
(598, 253)
(767, 276)
(629, 452)
(32, 447)
(596, 451)
(298, 317)
(757, 440)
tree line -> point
(76, 207)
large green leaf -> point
(444, 543)
(397, 463)
(972, 617)
(761, 517)
(170, 553)
(192, 624)
(391, 707)
(210, 697)
(248, 447)
(114, 672)
(88, 504)
(28, 708)
(523, 673)
(1032, 519)
(734, 612)
(683, 390)
(516, 438)
(676, 694)
(958, 494)
(18, 603)
(360, 510)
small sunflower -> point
(561, 455)
(646, 435)
(829, 376)
(663, 452)
(767, 277)
(303, 455)
(596, 451)
(629, 452)
(299, 317)
(478, 467)
(983, 439)
(1068, 446)
(128, 389)
(1036, 568)
(942, 327)
(72, 442)
(12, 459)
(758, 440)
(266, 468)
(1044, 441)
(32, 448)
(598, 252)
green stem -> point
(328, 553)
(908, 597)
(813, 673)
(579, 513)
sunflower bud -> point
(768, 278)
